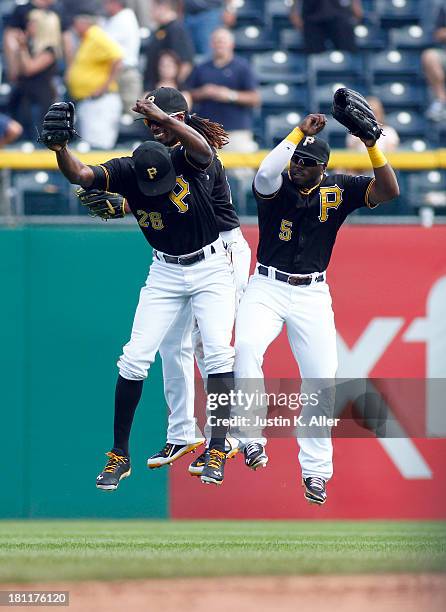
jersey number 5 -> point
(286, 230)
(179, 193)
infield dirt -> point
(366, 593)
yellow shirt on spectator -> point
(92, 64)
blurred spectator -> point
(39, 48)
(91, 80)
(15, 25)
(10, 130)
(170, 34)
(225, 90)
(143, 12)
(434, 66)
(326, 21)
(203, 17)
(122, 26)
(168, 71)
(16, 22)
(69, 9)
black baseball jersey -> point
(298, 228)
(179, 222)
(224, 210)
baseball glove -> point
(352, 110)
(58, 125)
(102, 203)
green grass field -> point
(79, 550)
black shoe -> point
(196, 467)
(170, 453)
(255, 455)
(214, 467)
(116, 468)
(315, 490)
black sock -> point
(220, 383)
(127, 396)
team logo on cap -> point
(308, 140)
(151, 98)
(152, 172)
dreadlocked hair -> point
(213, 133)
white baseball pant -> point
(98, 120)
(206, 289)
(307, 312)
(183, 340)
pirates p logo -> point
(152, 172)
(151, 98)
(308, 140)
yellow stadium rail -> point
(402, 160)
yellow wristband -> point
(295, 136)
(377, 157)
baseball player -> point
(300, 211)
(183, 338)
(168, 192)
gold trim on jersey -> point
(107, 177)
(367, 194)
(304, 191)
(267, 197)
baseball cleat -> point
(255, 455)
(170, 453)
(214, 467)
(314, 490)
(196, 467)
(116, 468)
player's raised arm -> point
(354, 112)
(57, 132)
(268, 179)
(198, 150)
(385, 186)
(75, 171)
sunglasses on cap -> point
(308, 162)
(149, 122)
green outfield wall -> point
(68, 295)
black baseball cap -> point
(154, 170)
(168, 99)
(313, 148)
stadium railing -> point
(53, 200)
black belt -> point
(289, 278)
(183, 260)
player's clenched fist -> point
(313, 124)
(150, 110)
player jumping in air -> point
(300, 211)
(168, 192)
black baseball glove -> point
(352, 110)
(58, 125)
(102, 203)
